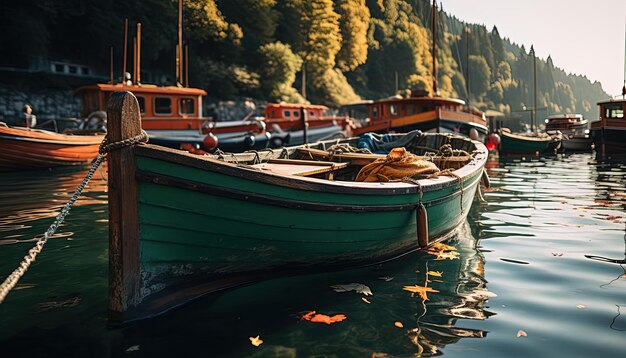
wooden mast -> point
(533, 113)
(467, 65)
(179, 47)
(434, 30)
(125, 51)
(138, 74)
(124, 122)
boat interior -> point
(416, 157)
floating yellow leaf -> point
(419, 290)
(521, 333)
(365, 300)
(398, 324)
(434, 273)
(256, 341)
(580, 306)
(442, 247)
(450, 255)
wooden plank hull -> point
(207, 227)
(22, 148)
(183, 225)
(519, 144)
(609, 140)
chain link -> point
(10, 282)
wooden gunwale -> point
(306, 183)
(167, 180)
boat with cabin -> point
(293, 124)
(609, 132)
(574, 129)
(428, 113)
(272, 213)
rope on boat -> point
(105, 147)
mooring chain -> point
(105, 148)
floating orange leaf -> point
(322, 318)
(256, 341)
(398, 324)
(365, 300)
(442, 247)
(419, 290)
(434, 273)
(521, 333)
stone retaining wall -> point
(63, 104)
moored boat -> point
(527, 143)
(574, 128)
(29, 148)
(184, 225)
(609, 132)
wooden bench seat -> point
(352, 158)
(300, 167)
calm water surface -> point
(544, 255)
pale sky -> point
(585, 37)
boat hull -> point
(518, 144)
(22, 148)
(219, 229)
(609, 140)
(575, 144)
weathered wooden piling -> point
(124, 122)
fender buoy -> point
(210, 142)
(249, 141)
(473, 134)
(421, 218)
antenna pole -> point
(179, 48)
(138, 74)
(434, 17)
(467, 75)
(534, 111)
(111, 78)
(187, 65)
(125, 50)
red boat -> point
(27, 148)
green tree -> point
(354, 23)
(278, 66)
(479, 74)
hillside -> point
(351, 50)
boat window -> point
(296, 114)
(187, 106)
(286, 114)
(393, 110)
(312, 114)
(142, 104)
(375, 112)
(162, 105)
(613, 110)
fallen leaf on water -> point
(256, 341)
(580, 306)
(613, 217)
(443, 247)
(398, 324)
(521, 333)
(322, 318)
(450, 255)
(420, 290)
(434, 273)
(132, 349)
(365, 300)
(358, 287)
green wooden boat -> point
(183, 225)
(527, 144)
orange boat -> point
(286, 122)
(27, 148)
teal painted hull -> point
(512, 143)
(207, 225)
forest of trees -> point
(349, 49)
